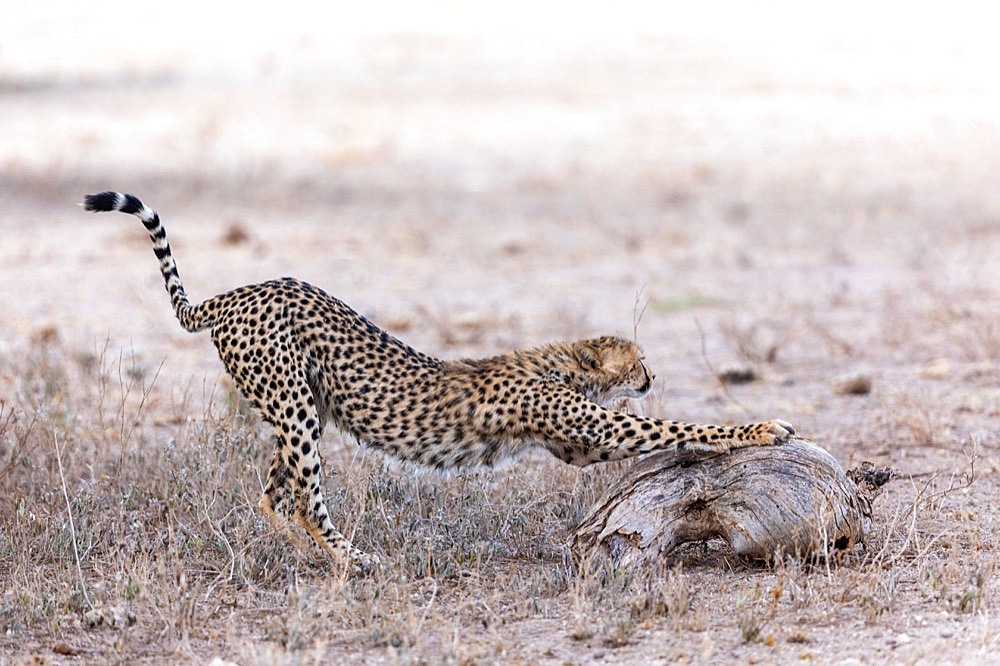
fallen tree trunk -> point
(763, 501)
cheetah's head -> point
(610, 369)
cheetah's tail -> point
(192, 318)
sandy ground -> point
(806, 201)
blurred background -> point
(809, 189)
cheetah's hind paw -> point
(366, 564)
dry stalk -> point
(639, 308)
(72, 527)
(712, 370)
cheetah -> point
(303, 357)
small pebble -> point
(857, 383)
(737, 374)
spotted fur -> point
(303, 357)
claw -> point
(782, 431)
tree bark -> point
(763, 501)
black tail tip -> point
(102, 202)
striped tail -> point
(192, 318)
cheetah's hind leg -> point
(278, 505)
(299, 454)
(275, 381)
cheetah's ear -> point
(587, 355)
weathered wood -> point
(791, 499)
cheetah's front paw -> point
(776, 432)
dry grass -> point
(131, 534)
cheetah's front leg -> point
(723, 439)
(598, 434)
